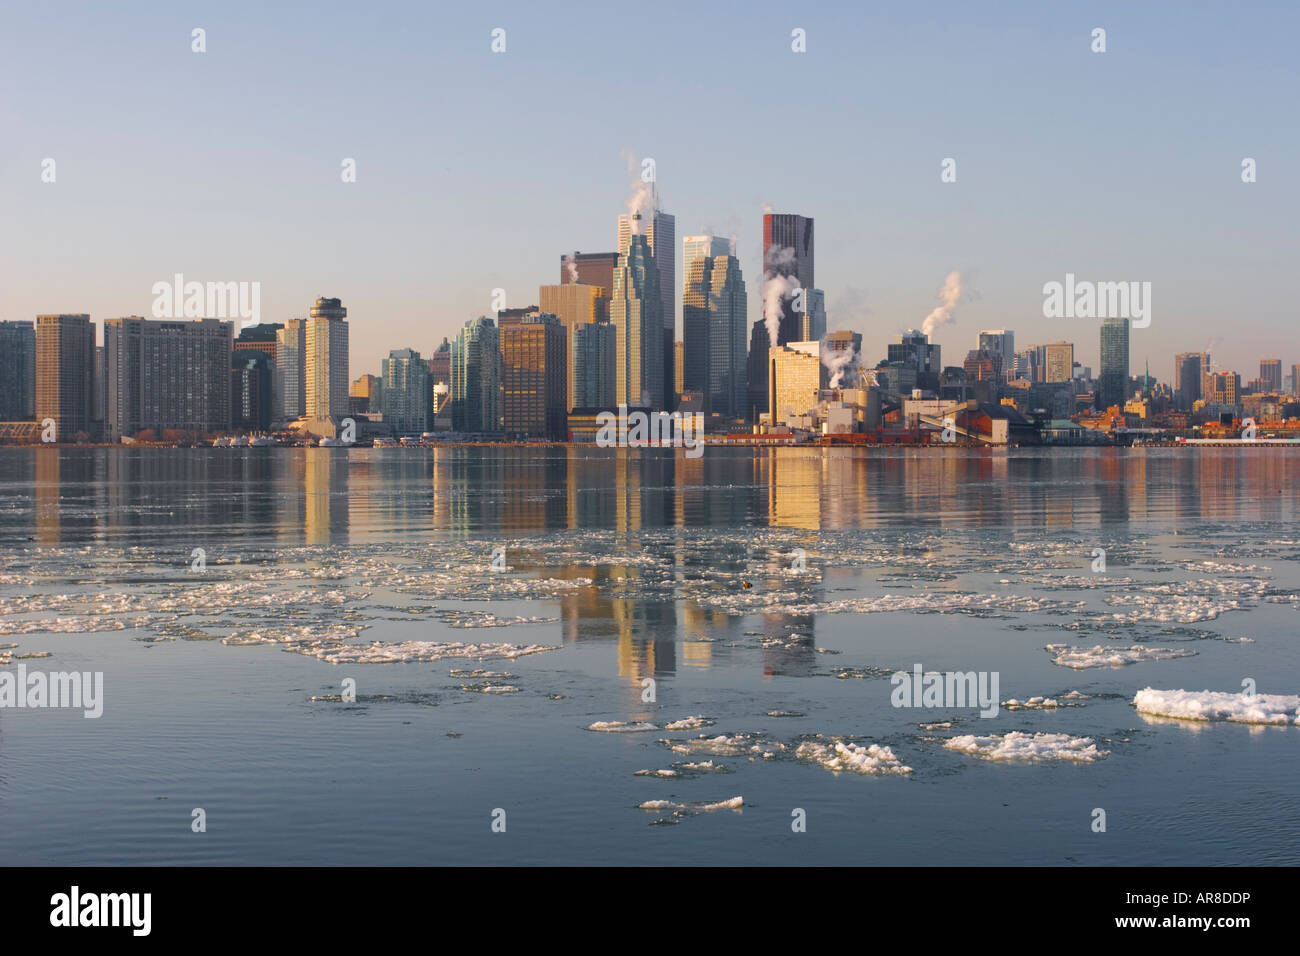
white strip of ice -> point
(1100, 655)
(1021, 746)
(1214, 705)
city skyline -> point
(1158, 209)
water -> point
(224, 688)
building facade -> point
(534, 378)
(637, 315)
(17, 371)
(65, 360)
(325, 376)
(476, 378)
(1112, 383)
(406, 395)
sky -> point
(477, 170)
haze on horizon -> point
(478, 170)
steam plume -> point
(949, 295)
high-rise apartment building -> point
(1112, 383)
(476, 378)
(65, 361)
(17, 371)
(407, 393)
(167, 375)
(713, 327)
(637, 313)
(534, 378)
(326, 374)
(1221, 388)
(290, 376)
(251, 390)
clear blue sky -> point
(477, 170)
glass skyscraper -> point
(1112, 384)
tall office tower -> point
(1270, 375)
(788, 252)
(914, 353)
(368, 392)
(702, 247)
(595, 345)
(637, 314)
(589, 268)
(660, 231)
(842, 351)
(440, 383)
(812, 321)
(326, 375)
(407, 398)
(1058, 362)
(982, 365)
(797, 376)
(263, 337)
(1025, 365)
(99, 394)
(534, 378)
(760, 344)
(1003, 343)
(17, 371)
(1295, 379)
(290, 382)
(476, 377)
(575, 304)
(713, 329)
(1112, 385)
(167, 375)
(251, 389)
(1189, 371)
(65, 365)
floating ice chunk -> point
(1021, 746)
(1100, 655)
(1213, 705)
(735, 803)
(657, 773)
(620, 727)
(690, 723)
(841, 756)
(406, 652)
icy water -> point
(636, 657)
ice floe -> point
(839, 755)
(1209, 705)
(1023, 746)
(1080, 658)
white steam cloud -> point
(571, 263)
(838, 362)
(778, 285)
(949, 295)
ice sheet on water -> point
(734, 803)
(621, 727)
(689, 723)
(1209, 705)
(1023, 746)
(1081, 658)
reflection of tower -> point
(45, 491)
(325, 492)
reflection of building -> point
(65, 358)
(17, 371)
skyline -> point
(201, 173)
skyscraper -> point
(575, 303)
(326, 375)
(713, 329)
(1058, 362)
(1189, 373)
(594, 351)
(17, 371)
(290, 375)
(636, 312)
(476, 378)
(759, 346)
(1112, 383)
(788, 252)
(660, 231)
(589, 268)
(250, 390)
(168, 375)
(65, 359)
(1270, 374)
(1001, 342)
(407, 395)
(797, 376)
(534, 378)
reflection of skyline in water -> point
(317, 497)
